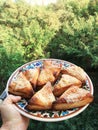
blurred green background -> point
(67, 29)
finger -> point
(12, 99)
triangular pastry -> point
(64, 83)
(72, 98)
(45, 76)
(32, 75)
(75, 71)
(21, 86)
(54, 67)
(43, 99)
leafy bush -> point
(66, 30)
(77, 37)
(25, 33)
(8, 63)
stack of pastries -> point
(51, 87)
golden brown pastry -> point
(32, 75)
(21, 86)
(43, 99)
(72, 98)
(49, 72)
(53, 67)
(64, 83)
(45, 76)
(75, 71)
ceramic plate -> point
(48, 115)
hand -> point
(12, 119)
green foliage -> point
(8, 63)
(77, 37)
(66, 30)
